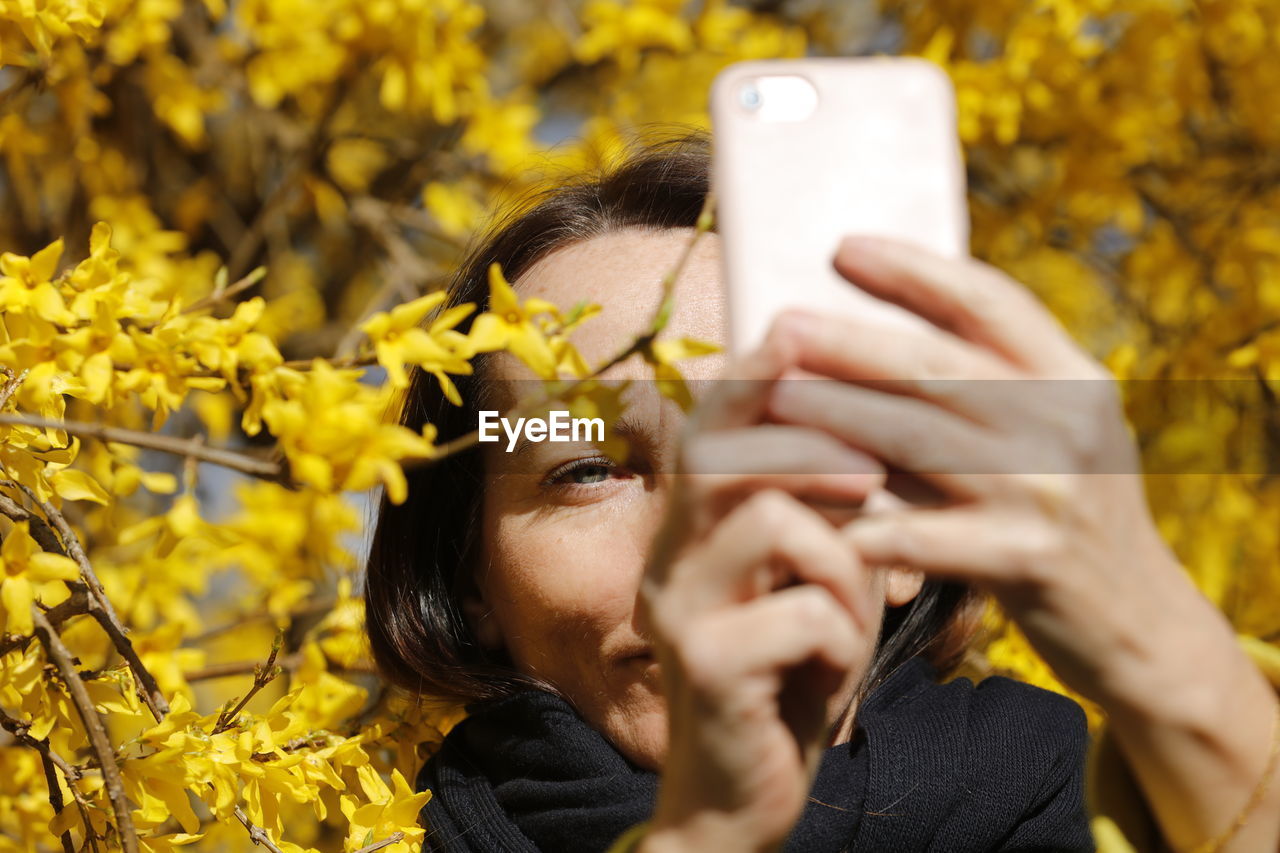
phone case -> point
(876, 152)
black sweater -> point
(934, 767)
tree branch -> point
(99, 742)
(236, 667)
(386, 842)
(262, 676)
(227, 293)
(50, 760)
(100, 608)
(38, 527)
(11, 385)
(55, 799)
(254, 234)
(76, 604)
(257, 834)
(261, 468)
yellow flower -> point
(598, 399)
(92, 351)
(26, 565)
(388, 811)
(662, 356)
(26, 286)
(439, 349)
(226, 345)
(162, 372)
(509, 325)
(330, 428)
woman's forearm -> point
(1196, 721)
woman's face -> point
(565, 534)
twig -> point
(253, 277)
(37, 526)
(74, 605)
(100, 608)
(11, 385)
(310, 608)
(262, 676)
(51, 760)
(99, 742)
(243, 463)
(55, 799)
(386, 842)
(253, 236)
(706, 217)
(237, 667)
(339, 363)
(257, 834)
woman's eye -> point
(582, 472)
(589, 473)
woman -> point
(718, 655)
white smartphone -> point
(807, 151)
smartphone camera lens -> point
(749, 97)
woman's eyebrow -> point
(635, 430)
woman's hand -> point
(1024, 436)
(759, 613)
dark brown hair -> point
(419, 566)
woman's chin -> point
(637, 725)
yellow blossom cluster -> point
(225, 223)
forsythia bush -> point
(219, 217)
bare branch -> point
(99, 606)
(237, 667)
(11, 385)
(39, 529)
(386, 842)
(245, 464)
(257, 834)
(253, 236)
(55, 799)
(99, 741)
(74, 605)
(227, 293)
(52, 760)
(262, 676)
(339, 363)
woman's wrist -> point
(1191, 712)
(1159, 652)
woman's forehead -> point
(622, 271)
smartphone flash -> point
(787, 97)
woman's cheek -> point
(565, 586)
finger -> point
(905, 433)
(926, 362)
(717, 469)
(774, 632)
(739, 398)
(854, 348)
(962, 544)
(973, 300)
(768, 541)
